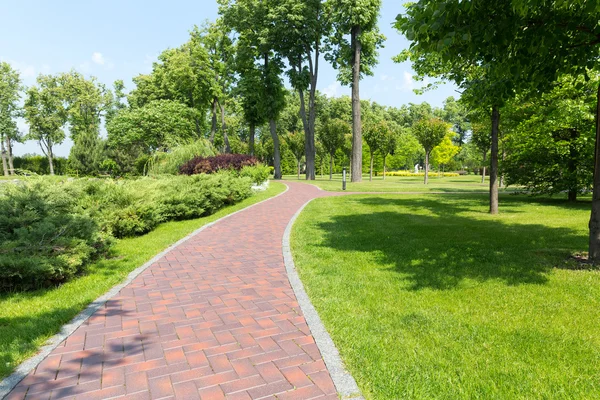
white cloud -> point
(409, 83)
(332, 90)
(98, 58)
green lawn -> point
(27, 320)
(465, 183)
(430, 297)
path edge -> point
(344, 382)
(11, 381)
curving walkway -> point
(214, 318)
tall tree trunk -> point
(330, 167)
(276, 153)
(426, 180)
(308, 124)
(483, 169)
(11, 165)
(224, 128)
(371, 168)
(4, 162)
(251, 139)
(356, 122)
(494, 161)
(213, 126)
(50, 160)
(594, 225)
(298, 165)
(384, 157)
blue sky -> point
(113, 39)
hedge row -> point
(50, 229)
(410, 173)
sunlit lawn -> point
(465, 183)
(429, 297)
(27, 320)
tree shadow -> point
(433, 245)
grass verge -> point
(28, 319)
(431, 297)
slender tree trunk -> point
(224, 128)
(483, 169)
(572, 165)
(4, 162)
(494, 162)
(11, 165)
(384, 157)
(276, 153)
(213, 127)
(330, 167)
(50, 160)
(426, 180)
(251, 139)
(298, 165)
(308, 124)
(356, 122)
(371, 168)
(594, 225)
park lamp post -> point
(344, 178)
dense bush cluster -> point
(410, 173)
(50, 228)
(210, 165)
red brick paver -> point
(215, 318)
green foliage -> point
(332, 134)
(51, 229)
(87, 154)
(45, 237)
(39, 164)
(257, 173)
(430, 133)
(444, 152)
(168, 162)
(158, 125)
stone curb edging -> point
(343, 381)
(11, 381)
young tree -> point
(388, 145)
(295, 142)
(430, 133)
(46, 115)
(444, 152)
(355, 58)
(332, 136)
(87, 154)
(375, 135)
(10, 93)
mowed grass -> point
(429, 297)
(465, 183)
(27, 320)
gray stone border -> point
(344, 382)
(11, 381)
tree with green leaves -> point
(354, 58)
(295, 142)
(160, 124)
(388, 144)
(332, 135)
(256, 55)
(430, 133)
(444, 152)
(375, 134)
(456, 113)
(10, 110)
(87, 154)
(46, 114)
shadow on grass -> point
(433, 246)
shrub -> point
(258, 173)
(410, 173)
(170, 162)
(51, 228)
(45, 238)
(210, 165)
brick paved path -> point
(214, 318)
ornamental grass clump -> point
(211, 165)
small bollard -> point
(344, 178)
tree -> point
(256, 55)
(430, 133)
(355, 58)
(332, 136)
(161, 124)
(46, 115)
(295, 142)
(388, 145)
(299, 27)
(87, 153)
(375, 135)
(444, 152)
(10, 89)
(550, 140)
(456, 113)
